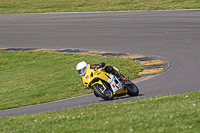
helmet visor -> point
(82, 71)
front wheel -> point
(132, 89)
(102, 92)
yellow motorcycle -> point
(106, 85)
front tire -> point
(100, 91)
(132, 89)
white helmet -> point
(81, 67)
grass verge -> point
(44, 6)
(29, 78)
(174, 113)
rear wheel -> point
(102, 92)
(132, 89)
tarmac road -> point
(174, 35)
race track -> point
(174, 35)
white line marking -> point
(48, 102)
(114, 11)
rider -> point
(82, 68)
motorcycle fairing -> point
(114, 83)
(92, 74)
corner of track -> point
(154, 65)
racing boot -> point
(119, 75)
(122, 78)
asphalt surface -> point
(174, 35)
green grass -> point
(44, 6)
(169, 114)
(28, 78)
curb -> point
(154, 65)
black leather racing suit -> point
(109, 69)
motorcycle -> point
(106, 85)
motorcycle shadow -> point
(125, 98)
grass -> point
(175, 113)
(29, 78)
(45, 6)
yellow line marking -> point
(131, 56)
(94, 52)
(3, 48)
(153, 62)
(46, 50)
(151, 71)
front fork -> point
(103, 86)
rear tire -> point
(98, 90)
(132, 89)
